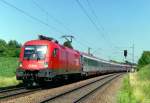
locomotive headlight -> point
(46, 64)
(20, 64)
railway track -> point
(74, 94)
(15, 92)
(77, 94)
(11, 89)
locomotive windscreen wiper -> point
(29, 57)
(38, 57)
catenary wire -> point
(59, 22)
(51, 16)
(93, 22)
(97, 20)
(32, 17)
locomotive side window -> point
(55, 52)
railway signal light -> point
(125, 53)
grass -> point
(144, 82)
(144, 73)
(136, 87)
(8, 67)
(8, 81)
(125, 95)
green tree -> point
(68, 44)
(14, 48)
(17, 52)
(10, 49)
(3, 47)
(145, 59)
(14, 44)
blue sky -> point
(122, 22)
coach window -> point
(55, 52)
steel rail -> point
(11, 89)
(17, 93)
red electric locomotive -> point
(45, 59)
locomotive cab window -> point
(32, 52)
(55, 52)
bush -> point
(144, 73)
(145, 59)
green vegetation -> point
(8, 67)
(9, 53)
(144, 73)
(10, 49)
(125, 95)
(145, 59)
(144, 81)
(68, 44)
(8, 81)
(136, 87)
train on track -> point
(45, 59)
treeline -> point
(144, 59)
(10, 48)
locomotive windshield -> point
(35, 52)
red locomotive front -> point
(42, 60)
(34, 56)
